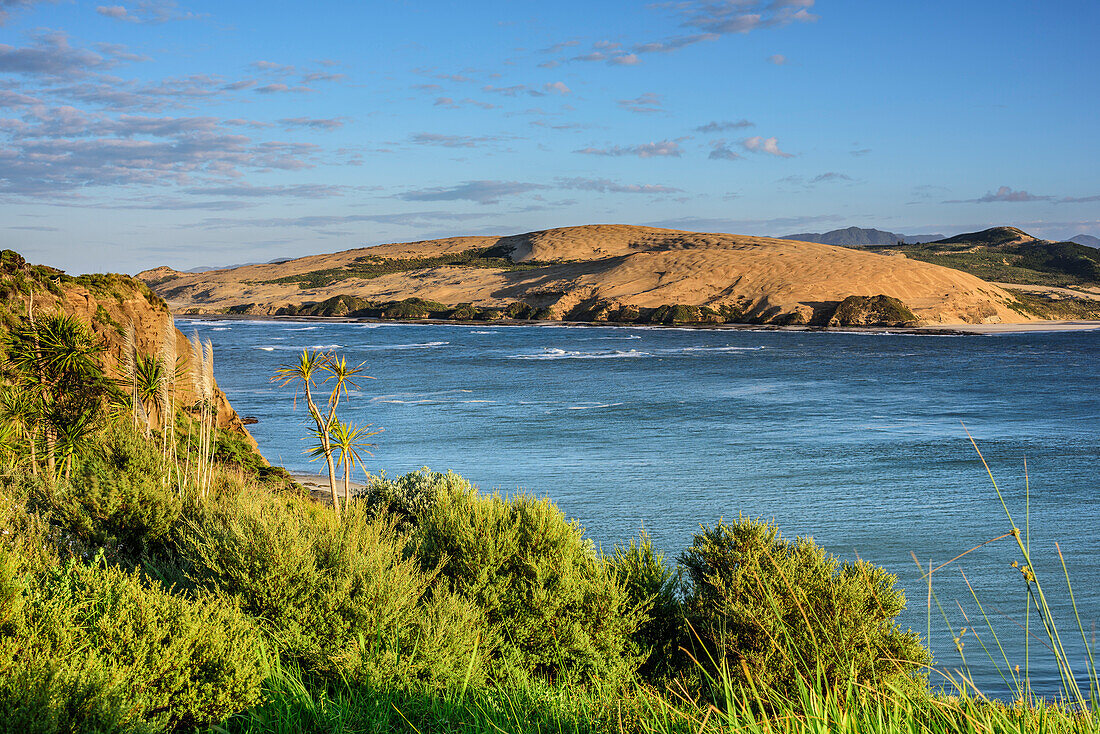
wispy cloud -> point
(760, 144)
(647, 103)
(52, 56)
(149, 12)
(777, 59)
(7, 6)
(454, 141)
(1003, 194)
(465, 102)
(722, 126)
(605, 185)
(246, 190)
(661, 149)
(482, 192)
(327, 222)
(720, 151)
(333, 123)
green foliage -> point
(654, 589)
(53, 363)
(102, 317)
(94, 649)
(998, 258)
(338, 596)
(554, 608)
(118, 498)
(877, 310)
(775, 614)
(408, 498)
(414, 308)
(367, 267)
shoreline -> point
(946, 330)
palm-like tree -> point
(348, 439)
(309, 369)
(54, 361)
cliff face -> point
(107, 303)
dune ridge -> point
(604, 267)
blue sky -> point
(203, 133)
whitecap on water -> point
(551, 353)
(267, 349)
(423, 345)
(593, 406)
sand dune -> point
(770, 280)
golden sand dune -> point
(570, 268)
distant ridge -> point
(992, 237)
(1085, 239)
(600, 272)
(1010, 255)
(861, 237)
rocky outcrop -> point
(108, 303)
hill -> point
(595, 273)
(860, 237)
(1085, 239)
(107, 303)
(1010, 255)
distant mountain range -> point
(1085, 239)
(861, 237)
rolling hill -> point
(600, 273)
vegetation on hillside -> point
(366, 266)
(1007, 255)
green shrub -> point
(97, 649)
(780, 611)
(409, 497)
(339, 596)
(553, 606)
(118, 497)
(652, 588)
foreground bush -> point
(338, 596)
(553, 607)
(118, 498)
(85, 648)
(775, 614)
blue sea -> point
(857, 439)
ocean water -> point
(856, 439)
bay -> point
(857, 439)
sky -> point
(196, 134)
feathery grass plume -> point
(167, 376)
(208, 372)
(208, 391)
(168, 400)
(196, 366)
(129, 369)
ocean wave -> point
(302, 328)
(594, 406)
(682, 350)
(205, 323)
(222, 328)
(620, 338)
(553, 353)
(420, 345)
(266, 349)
